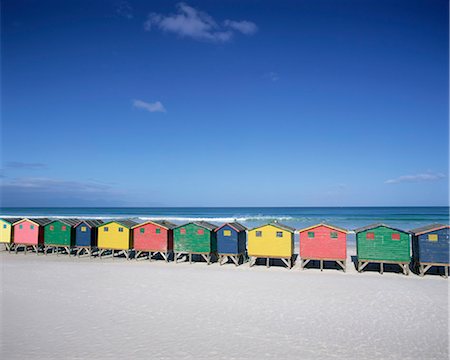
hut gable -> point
(380, 242)
(195, 237)
(116, 234)
(6, 229)
(60, 232)
(30, 231)
(90, 223)
(271, 240)
(431, 244)
(231, 238)
(154, 236)
(323, 242)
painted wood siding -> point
(28, 233)
(58, 233)
(151, 240)
(432, 249)
(268, 244)
(382, 246)
(113, 238)
(323, 245)
(227, 244)
(192, 241)
(6, 232)
(84, 235)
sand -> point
(59, 307)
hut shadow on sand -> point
(376, 267)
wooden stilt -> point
(190, 258)
(321, 265)
(267, 262)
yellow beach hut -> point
(271, 241)
(115, 236)
(7, 231)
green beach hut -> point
(60, 234)
(196, 237)
(382, 244)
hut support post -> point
(321, 265)
(362, 265)
(252, 261)
(381, 268)
(446, 271)
(287, 262)
(268, 262)
(190, 258)
(341, 264)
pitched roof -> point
(374, 226)
(37, 221)
(333, 227)
(428, 228)
(11, 220)
(203, 224)
(68, 222)
(163, 223)
(124, 222)
(235, 225)
(277, 225)
(90, 222)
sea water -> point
(298, 217)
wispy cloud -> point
(24, 165)
(272, 76)
(429, 176)
(198, 25)
(150, 107)
(124, 9)
(42, 191)
(244, 26)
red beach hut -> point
(153, 237)
(29, 232)
(323, 242)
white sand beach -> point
(59, 307)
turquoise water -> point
(298, 217)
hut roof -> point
(124, 222)
(203, 224)
(11, 220)
(374, 226)
(36, 221)
(90, 222)
(235, 225)
(333, 227)
(163, 223)
(428, 228)
(68, 222)
(277, 225)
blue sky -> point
(207, 103)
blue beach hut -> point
(231, 242)
(86, 235)
(430, 247)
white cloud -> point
(416, 178)
(272, 76)
(151, 107)
(244, 26)
(198, 25)
(124, 9)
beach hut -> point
(430, 247)
(231, 242)
(115, 236)
(194, 238)
(7, 231)
(86, 236)
(59, 234)
(271, 241)
(154, 237)
(29, 233)
(323, 242)
(382, 244)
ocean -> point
(347, 217)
